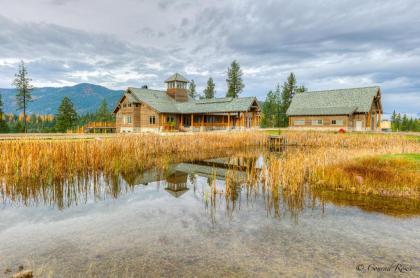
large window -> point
(128, 119)
(299, 122)
(337, 122)
(170, 119)
(152, 120)
(316, 122)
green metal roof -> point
(177, 77)
(333, 102)
(163, 103)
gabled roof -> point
(333, 102)
(163, 103)
(177, 77)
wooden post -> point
(192, 120)
(253, 119)
(182, 121)
(379, 120)
(228, 124)
(202, 120)
(367, 119)
(243, 120)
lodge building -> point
(142, 109)
(355, 109)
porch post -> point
(182, 120)
(253, 119)
(368, 119)
(228, 124)
(192, 120)
(202, 120)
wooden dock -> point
(277, 141)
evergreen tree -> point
(209, 90)
(301, 89)
(234, 80)
(394, 126)
(4, 128)
(269, 110)
(404, 123)
(192, 90)
(66, 117)
(288, 91)
(103, 114)
(23, 88)
(398, 122)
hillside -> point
(85, 97)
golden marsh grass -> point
(28, 167)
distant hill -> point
(85, 97)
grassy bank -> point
(396, 175)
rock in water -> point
(24, 274)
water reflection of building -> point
(175, 177)
(176, 183)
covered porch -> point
(209, 121)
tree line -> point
(403, 123)
(66, 117)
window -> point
(170, 119)
(152, 120)
(128, 119)
(124, 105)
(129, 105)
(337, 122)
(316, 122)
(299, 122)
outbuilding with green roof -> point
(356, 109)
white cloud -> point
(326, 43)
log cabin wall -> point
(327, 121)
(149, 118)
(128, 116)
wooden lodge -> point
(141, 110)
(356, 109)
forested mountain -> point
(85, 97)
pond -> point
(214, 217)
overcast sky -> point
(328, 44)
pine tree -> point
(398, 122)
(288, 91)
(4, 128)
(23, 88)
(103, 114)
(394, 125)
(404, 123)
(66, 117)
(192, 90)
(269, 110)
(234, 80)
(301, 89)
(209, 91)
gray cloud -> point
(328, 44)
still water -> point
(184, 221)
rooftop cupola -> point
(176, 87)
